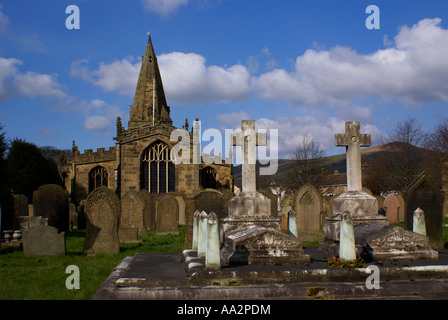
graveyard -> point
(228, 246)
(140, 221)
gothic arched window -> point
(157, 169)
(98, 177)
(208, 178)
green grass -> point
(43, 278)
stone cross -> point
(353, 140)
(248, 140)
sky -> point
(300, 67)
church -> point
(142, 155)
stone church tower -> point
(141, 157)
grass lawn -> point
(43, 278)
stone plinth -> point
(249, 204)
(358, 203)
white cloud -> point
(233, 119)
(28, 84)
(97, 123)
(292, 129)
(98, 114)
(414, 71)
(163, 7)
(120, 76)
(33, 84)
(187, 78)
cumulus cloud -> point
(120, 75)
(28, 84)
(187, 78)
(163, 7)
(292, 129)
(98, 114)
(413, 71)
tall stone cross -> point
(248, 139)
(353, 140)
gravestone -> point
(292, 224)
(20, 205)
(132, 207)
(167, 215)
(308, 209)
(51, 201)
(418, 225)
(202, 235)
(287, 204)
(102, 213)
(149, 213)
(26, 223)
(181, 202)
(73, 216)
(213, 255)
(424, 194)
(42, 240)
(392, 205)
(347, 250)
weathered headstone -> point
(308, 209)
(195, 229)
(167, 215)
(202, 235)
(102, 212)
(149, 213)
(347, 249)
(292, 224)
(132, 207)
(43, 240)
(213, 255)
(51, 201)
(392, 205)
(419, 222)
(73, 216)
(20, 205)
(424, 194)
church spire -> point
(149, 102)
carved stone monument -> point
(374, 239)
(251, 234)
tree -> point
(309, 158)
(402, 157)
(6, 198)
(27, 169)
(438, 142)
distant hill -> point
(335, 162)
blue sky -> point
(302, 67)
